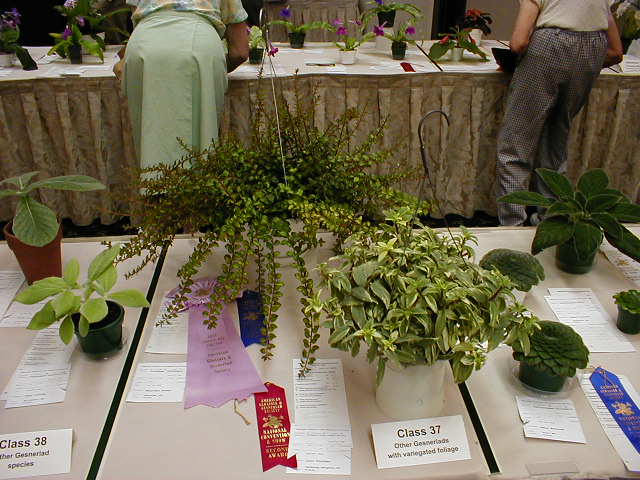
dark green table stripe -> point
(477, 426)
(117, 397)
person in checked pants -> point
(563, 45)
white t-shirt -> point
(577, 15)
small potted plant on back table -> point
(296, 33)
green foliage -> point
(242, 197)
(412, 295)
(629, 301)
(302, 28)
(458, 38)
(381, 7)
(256, 37)
(67, 40)
(523, 269)
(71, 297)
(34, 223)
(582, 215)
(555, 348)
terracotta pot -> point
(36, 262)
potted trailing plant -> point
(297, 33)
(348, 46)
(9, 46)
(522, 268)
(477, 22)
(243, 195)
(628, 311)
(627, 16)
(415, 300)
(399, 39)
(386, 12)
(555, 350)
(34, 232)
(457, 41)
(89, 309)
(256, 45)
(576, 220)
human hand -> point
(118, 68)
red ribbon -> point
(274, 427)
(407, 67)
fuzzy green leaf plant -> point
(583, 215)
(88, 299)
(629, 300)
(244, 198)
(554, 348)
(34, 223)
(522, 268)
(410, 295)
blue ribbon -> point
(251, 317)
(619, 403)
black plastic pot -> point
(628, 322)
(104, 337)
(255, 56)
(567, 259)
(398, 50)
(387, 18)
(539, 379)
(296, 39)
(75, 54)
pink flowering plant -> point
(9, 36)
(286, 19)
(401, 34)
(459, 38)
(348, 43)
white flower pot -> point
(348, 57)
(6, 59)
(476, 34)
(412, 392)
(383, 44)
(456, 54)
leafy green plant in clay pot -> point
(244, 198)
(577, 220)
(34, 233)
(628, 311)
(88, 308)
(555, 351)
(522, 268)
(413, 298)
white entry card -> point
(419, 442)
(35, 453)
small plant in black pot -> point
(386, 12)
(555, 352)
(578, 220)
(96, 319)
(628, 311)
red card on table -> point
(407, 67)
(274, 427)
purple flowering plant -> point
(9, 36)
(346, 42)
(401, 34)
(286, 19)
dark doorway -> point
(446, 15)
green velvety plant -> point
(522, 268)
(582, 215)
(88, 299)
(244, 197)
(555, 348)
(34, 223)
(629, 300)
(411, 295)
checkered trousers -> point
(548, 89)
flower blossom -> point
(341, 31)
(337, 23)
(445, 40)
(356, 22)
(411, 30)
(67, 33)
(379, 29)
(379, 2)
(285, 12)
(70, 4)
(272, 51)
(81, 21)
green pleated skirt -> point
(175, 79)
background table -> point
(92, 383)
(64, 125)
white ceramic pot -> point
(6, 59)
(383, 44)
(456, 54)
(412, 392)
(476, 34)
(88, 38)
(348, 57)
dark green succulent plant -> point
(629, 301)
(555, 348)
(522, 268)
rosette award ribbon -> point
(274, 427)
(621, 406)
